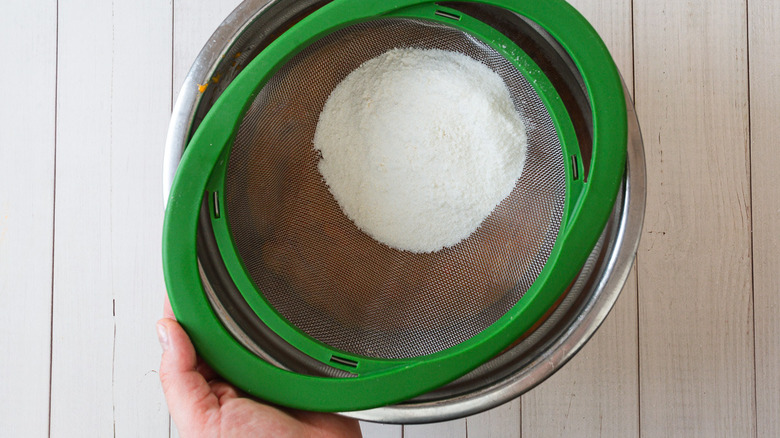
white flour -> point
(419, 146)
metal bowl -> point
(251, 27)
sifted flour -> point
(419, 146)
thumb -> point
(190, 399)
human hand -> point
(202, 406)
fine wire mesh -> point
(337, 284)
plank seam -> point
(520, 415)
(750, 189)
(636, 256)
(111, 222)
(54, 203)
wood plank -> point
(374, 430)
(695, 308)
(140, 111)
(445, 429)
(764, 44)
(113, 104)
(596, 393)
(500, 422)
(27, 145)
(83, 325)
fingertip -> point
(162, 335)
(178, 351)
(165, 321)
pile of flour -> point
(419, 146)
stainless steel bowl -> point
(252, 26)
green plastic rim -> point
(384, 382)
(347, 361)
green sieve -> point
(344, 322)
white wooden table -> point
(692, 347)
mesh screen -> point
(334, 282)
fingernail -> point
(162, 336)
